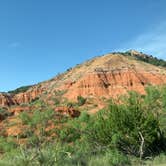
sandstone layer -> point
(115, 83)
(25, 97)
(107, 76)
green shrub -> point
(35, 100)
(4, 113)
(84, 117)
(60, 92)
(69, 134)
(6, 144)
(56, 101)
(20, 90)
(110, 158)
(25, 118)
(37, 118)
(38, 103)
(81, 100)
(70, 105)
(123, 126)
(145, 58)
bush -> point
(6, 145)
(56, 101)
(4, 113)
(81, 100)
(128, 127)
(111, 158)
(25, 118)
(148, 59)
(84, 117)
(70, 105)
(69, 134)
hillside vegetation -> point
(145, 58)
(130, 131)
(20, 90)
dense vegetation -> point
(20, 90)
(4, 113)
(130, 133)
(153, 60)
(145, 58)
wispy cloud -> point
(14, 44)
(152, 42)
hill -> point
(106, 76)
(110, 110)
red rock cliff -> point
(109, 76)
(25, 97)
(114, 83)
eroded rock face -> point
(106, 84)
(69, 111)
(114, 83)
(108, 76)
(26, 97)
(18, 109)
(6, 100)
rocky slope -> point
(7, 99)
(107, 76)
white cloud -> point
(152, 42)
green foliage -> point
(6, 144)
(60, 92)
(56, 101)
(153, 60)
(35, 100)
(25, 118)
(148, 59)
(20, 90)
(36, 121)
(69, 69)
(112, 137)
(121, 127)
(38, 103)
(70, 104)
(69, 134)
(84, 117)
(110, 158)
(81, 100)
(74, 130)
(4, 113)
(159, 160)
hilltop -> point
(105, 76)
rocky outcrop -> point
(28, 96)
(18, 109)
(68, 111)
(114, 83)
(107, 76)
(25, 97)
(6, 100)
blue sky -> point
(40, 38)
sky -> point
(41, 38)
